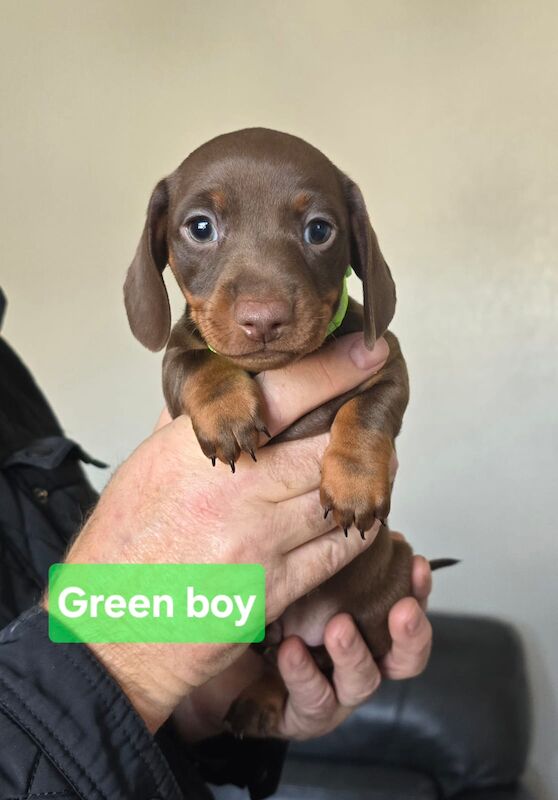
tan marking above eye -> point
(218, 199)
(301, 202)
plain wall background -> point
(447, 116)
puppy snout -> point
(262, 321)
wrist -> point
(142, 673)
(140, 670)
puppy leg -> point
(222, 400)
(356, 470)
(393, 585)
(258, 709)
(367, 589)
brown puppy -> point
(259, 228)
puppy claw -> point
(439, 563)
(346, 532)
(232, 466)
(253, 455)
(362, 536)
(327, 509)
(265, 430)
(213, 460)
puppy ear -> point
(145, 295)
(369, 264)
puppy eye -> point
(317, 231)
(201, 229)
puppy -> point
(259, 229)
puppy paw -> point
(356, 485)
(230, 421)
(246, 717)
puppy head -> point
(258, 228)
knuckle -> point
(325, 373)
(331, 556)
(413, 664)
(370, 684)
(360, 694)
(366, 677)
(321, 705)
(285, 463)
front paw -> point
(356, 485)
(230, 421)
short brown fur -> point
(259, 188)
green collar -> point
(339, 315)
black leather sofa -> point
(460, 730)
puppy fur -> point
(260, 296)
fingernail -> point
(368, 359)
(346, 640)
(413, 624)
(297, 658)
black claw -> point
(267, 433)
(438, 563)
(346, 532)
(362, 536)
(253, 455)
(213, 460)
(327, 509)
(233, 468)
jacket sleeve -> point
(70, 731)
(65, 727)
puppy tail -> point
(438, 563)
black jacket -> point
(66, 728)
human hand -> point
(315, 705)
(167, 505)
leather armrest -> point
(499, 793)
(465, 721)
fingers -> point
(309, 565)
(421, 580)
(314, 707)
(300, 520)
(412, 640)
(355, 674)
(312, 703)
(329, 372)
(286, 470)
(421, 576)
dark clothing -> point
(44, 494)
(66, 728)
(70, 731)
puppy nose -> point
(262, 321)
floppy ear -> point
(145, 295)
(369, 264)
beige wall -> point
(446, 113)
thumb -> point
(331, 371)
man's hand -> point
(167, 505)
(315, 706)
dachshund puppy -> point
(259, 229)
